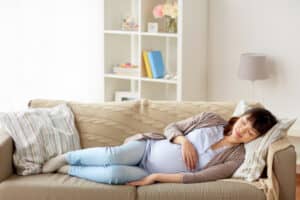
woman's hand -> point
(148, 180)
(188, 151)
(189, 154)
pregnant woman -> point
(201, 148)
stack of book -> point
(126, 69)
(153, 64)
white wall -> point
(49, 49)
(266, 26)
(52, 49)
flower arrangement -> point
(170, 12)
(166, 10)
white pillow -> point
(256, 150)
(243, 106)
(39, 134)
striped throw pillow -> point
(40, 134)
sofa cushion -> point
(40, 134)
(171, 111)
(100, 124)
(208, 191)
(109, 123)
(57, 186)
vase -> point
(171, 25)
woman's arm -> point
(168, 178)
(178, 128)
(158, 177)
(182, 127)
(218, 171)
(213, 173)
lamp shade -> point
(253, 67)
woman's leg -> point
(126, 154)
(114, 174)
(129, 153)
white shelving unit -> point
(184, 52)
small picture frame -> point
(152, 27)
(125, 96)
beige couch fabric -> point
(285, 172)
(57, 186)
(101, 125)
(6, 152)
(61, 187)
(209, 191)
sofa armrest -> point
(6, 151)
(284, 167)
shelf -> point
(183, 52)
(173, 35)
(120, 32)
(115, 11)
(120, 48)
(113, 85)
(159, 80)
(147, 16)
(121, 77)
(142, 78)
(168, 48)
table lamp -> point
(253, 67)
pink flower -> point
(158, 11)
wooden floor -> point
(298, 187)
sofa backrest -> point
(109, 123)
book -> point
(126, 71)
(157, 64)
(147, 65)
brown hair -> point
(262, 120)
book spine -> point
(157, 65)
(147, 65)
(152, 64)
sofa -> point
(109, 123)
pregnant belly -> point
(165, 157)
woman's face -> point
(242, 131)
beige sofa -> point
(109, 124)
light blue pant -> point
(112, 165)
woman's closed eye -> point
(244, 122)
(251, 134)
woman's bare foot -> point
(54, 164)
(64, 169)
